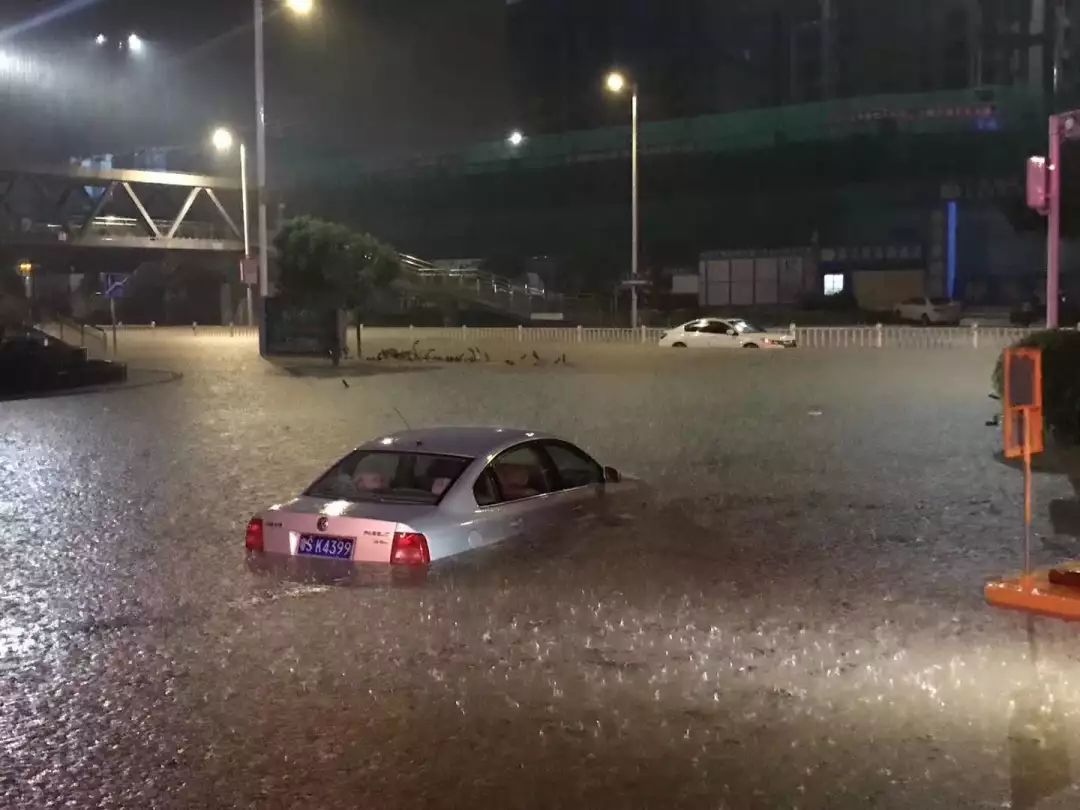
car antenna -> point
(402, 418)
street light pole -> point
(1053, 234)
(247, 237)
(634, 209)
(260, 153)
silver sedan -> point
(412, 498)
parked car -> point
(1033, 313)
(412, 498)
(725, 333)
(929, 310)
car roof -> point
(470, 442)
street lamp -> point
(223, 141)
(135, 43)
(100, 40)
(26, 270)
(301, 8)
(516, 138)
(616, 83)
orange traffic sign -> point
(1023, 402)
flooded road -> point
(797, 621)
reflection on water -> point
(1038, 746)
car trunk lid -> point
(303, 526)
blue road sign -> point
(114, 285)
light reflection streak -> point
(45, 17)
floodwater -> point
(797, 620)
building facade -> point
(699, 57)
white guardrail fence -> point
(808, 337)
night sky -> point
(377, 78)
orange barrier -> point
(1052, 592)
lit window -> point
(834, 283)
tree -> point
(325, 264)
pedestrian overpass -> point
(69, 208)
(52, 212)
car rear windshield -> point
(373, 475)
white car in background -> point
(725, 333)
(929, 310)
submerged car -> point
(411, 498)
(725, 333)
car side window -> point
(717, 328)
(485, 490)
(521, 472)
(692, 327)
(575, 468)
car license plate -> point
(314, 545)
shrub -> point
(1061, 380)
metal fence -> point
(808, 337)
(907, 337)
(92, 338)
(520, 334)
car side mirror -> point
(611, 475)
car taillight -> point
(254, 539)
(409, 548)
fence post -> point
(153, 324)
(521, 333)
(194, 328)
(643, 333)
(464, 333)
(880, 330)
(975, 335)
(580, 334)
(82, 334)
(232, 329)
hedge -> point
(1061, 380)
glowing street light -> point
(100, 40)
(222, 139)
(301, 7)
(516, 138)
(135, 43)
(616, 83)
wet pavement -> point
(796, 622)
